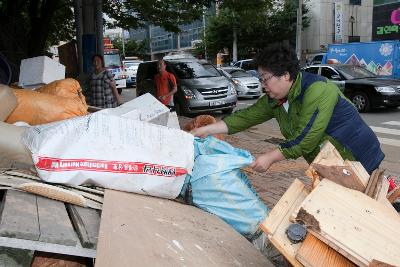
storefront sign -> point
(386, 22)
(338, 22)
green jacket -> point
(318, 111)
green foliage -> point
(257, 23)
(132, 47)
(167, 13)
(29, 27)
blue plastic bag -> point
(219, 187)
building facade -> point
(333, 21)
(162, 42)
(343, 21)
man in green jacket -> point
(309, 109)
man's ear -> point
(286, 76)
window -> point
(328, 72)
(355, 2)
(353, 39)
(248, 65)
(312, 70)
(237, 64)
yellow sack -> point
(66, 88)
(39, 108)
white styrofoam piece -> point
(40, 70)
(173, 121)
(121, 111)
(151, 110)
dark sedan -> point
(365, 89)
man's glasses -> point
(264, 81)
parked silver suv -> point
(201, 87)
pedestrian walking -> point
(103, 91)
(309, 110)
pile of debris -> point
(345, 219)
(64, 165)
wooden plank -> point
(313, 252)
(285, 204)
(87, 223)
(381, 190)
(277, 222)
(19, 217)
(359, 169)
(329, 156)
(342, 175)
(352, 223)
(9, 180)
(394, 194)
(137, 230)
(23, 174)
(11, 257)
(47, 247)
(373, 181)
(86, 195)
(55, 225)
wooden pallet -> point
(34, 223)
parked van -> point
(201, 87)
(248, 66)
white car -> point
(131, 67)
(247, 86)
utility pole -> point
(99, 27)
(204, 32)
(123, 42)
(298, 28)
(78, 26)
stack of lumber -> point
(348, 217)
(47, 225)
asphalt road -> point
(385, 123)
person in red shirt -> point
(165, 85)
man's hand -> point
(263, 162)
(201, 132)
(161, 98)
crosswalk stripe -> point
(397, 123)
(388, 141)
(385, 130)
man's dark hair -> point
(101, 58)
(278, 59)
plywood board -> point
(138, 230)
(359, 169)
(277, 222)
(342, 175)
(313, 253)
(352, 223)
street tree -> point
(29, 27)
(132, 47)
(275, 23)
(242, 16)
